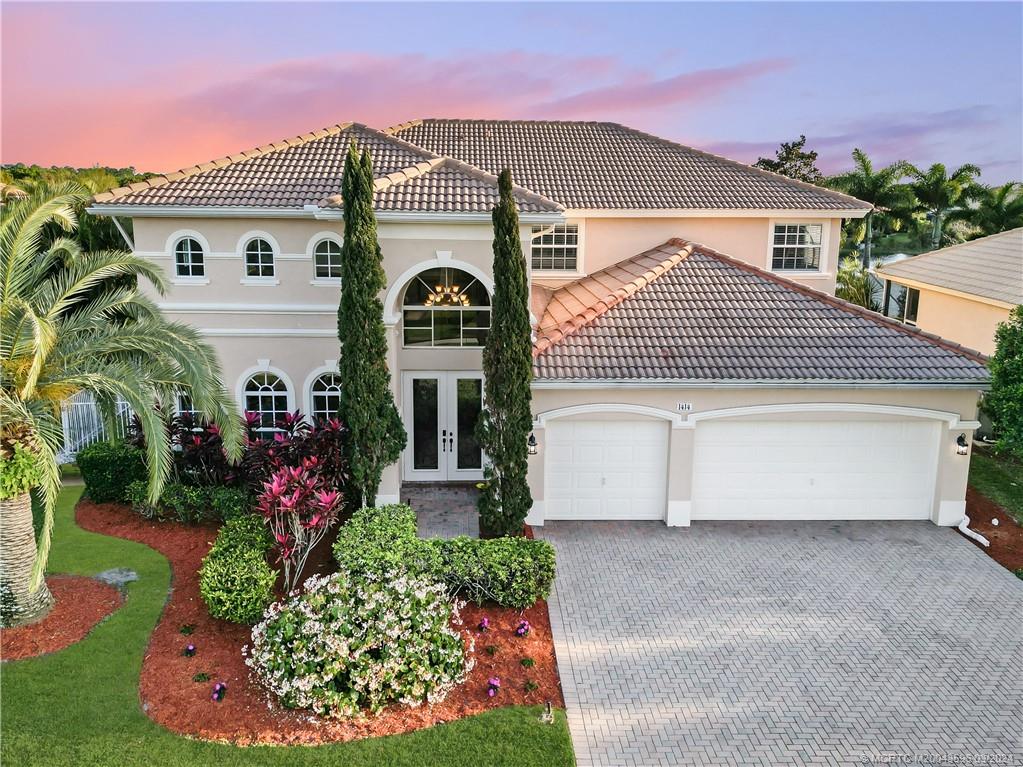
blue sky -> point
(174, 84)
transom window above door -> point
(445, 307)
(259, 258)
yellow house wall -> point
(963, 320)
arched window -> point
(445, 307)
(188, 258)
(326, 396)
(259, 258)
(327, 257)
(267, 395)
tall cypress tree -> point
(376, 434)
(504, 425)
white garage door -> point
(606, 469)
(814, 469)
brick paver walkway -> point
(777, 643)
(443, 511)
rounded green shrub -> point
(235, 581)
(514, 572)
(352, 642)
(108, 468)
(384, 539)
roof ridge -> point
(482, 175)
(221, 162)
(847, 306)
(391, 130)
(753, 168)
(547, 338)
(954, 246)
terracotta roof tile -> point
(698, 315)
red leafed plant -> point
(299, 507)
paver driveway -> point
(785, 643)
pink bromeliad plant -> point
(299, 508)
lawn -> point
(80, 706)
(1000, 478)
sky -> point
(160, 86)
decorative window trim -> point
(275, 254)
(580, 250)
(329, 367)
(263, 281)
(191, 278)
(823, 262)
(432, 312)
(311, 247)
(395, 293)
(263, 366)
(180, 234)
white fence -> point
(83, 424)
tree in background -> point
(1004, 403)
(880, 188)
(505, 423)
(794, 161)
(75, 321)
(994, 209)
(854, 283)
(376, 434)
(939, 192)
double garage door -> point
(744, 469)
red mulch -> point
(1006, 537)
(248, 714)
(80, 603)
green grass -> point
(899, 242)
(81, 707)
(1000, 478)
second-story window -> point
(327, 257)
(555, 248)
(259, 258)
(188, 258)
(796, 247)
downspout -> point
(964, 528)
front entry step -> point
(443, 510)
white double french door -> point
(441, 410)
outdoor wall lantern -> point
(962, 446)
(531, 444)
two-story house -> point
(691, 361)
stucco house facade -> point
(691, 361)
(962, 292)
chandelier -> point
(447, 295)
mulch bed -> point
(1006, 537)
(80, 603)
(248, 714)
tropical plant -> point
(74, 321)
(504, 425)
(1004, 403)
(880, 188)
(376, 434)
(792, 160)
(360, 642)
(855, 284)
(994, 209)
(299, 509)
(939, 192)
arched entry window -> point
(267, 395)
(445, 307)
(326, 396)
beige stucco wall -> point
(963, 320)
(950, 490)
(606, 241)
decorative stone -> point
(118, 577)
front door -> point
(441, 410)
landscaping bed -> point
(79, 604)
(247, 714)
(1006, 537)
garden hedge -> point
(108, 468)
(514, 572)
(235, 581)
(189, 503)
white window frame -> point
(311, 414)
(264, 366)
(313, 245)
(189, 279)
(240, 252)
(580, 225)
(434, 309)
(823, 262)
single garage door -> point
(606, 469)
(815, 469)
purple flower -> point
(484, 625)
(522, 629)
(493, 685)
(219, 691)
(189, 650)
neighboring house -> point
(671, 382)
(961, 292)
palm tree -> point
(74, 321)
(881, 189)
(938, 193)
(996, 209)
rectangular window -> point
(796, 247)
(912, 303)
(901, 303)
(555, 248)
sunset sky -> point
(161, 86)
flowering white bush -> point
(359, 642)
